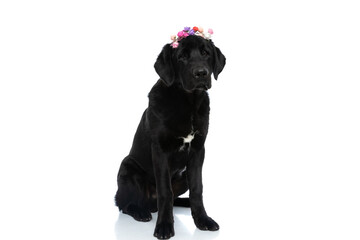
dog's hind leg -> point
(180, 186)
(131, 195)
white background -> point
(283, 148)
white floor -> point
(260, 204)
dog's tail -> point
(182, 202)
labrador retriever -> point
(168, 151)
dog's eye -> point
(204, 53)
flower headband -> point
(198, 31)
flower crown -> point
(198, 31)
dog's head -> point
(191, 64)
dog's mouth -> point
(203, 86)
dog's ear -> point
(163, 65)
(219, 61)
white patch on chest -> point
(188, 140)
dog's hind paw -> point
(138, 213)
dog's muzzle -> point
(202, 78)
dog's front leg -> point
(194, 174)
(165, 223)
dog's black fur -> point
(162, 165)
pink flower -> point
(175, 44)
(210, 31)
(173, 37)
(180, 34)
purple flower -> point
(186, 29)
(191, 32)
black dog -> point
(168, 151)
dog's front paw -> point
(164, 230)
(206, 223)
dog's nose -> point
(200, 72)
